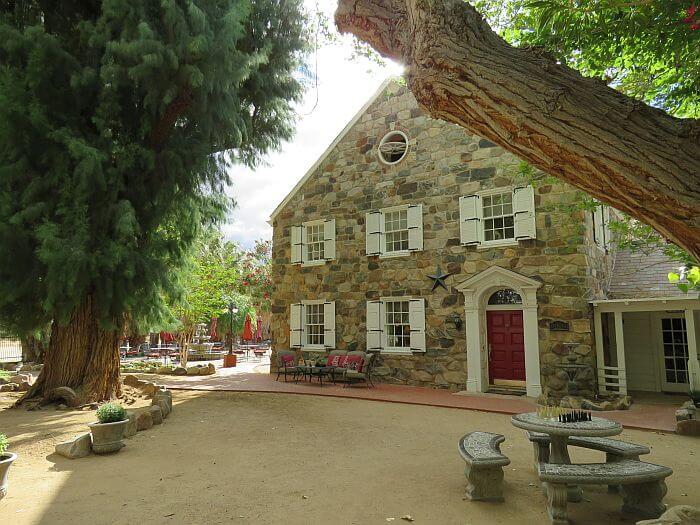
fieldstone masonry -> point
(443, 163)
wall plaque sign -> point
(559, 326)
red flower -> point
(692, 18)
(245, 283)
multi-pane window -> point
(314, 324)
(396, 231)
(314, 242)
(498, 217)
(675, 341)
(398, 326)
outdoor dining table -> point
(559, 433)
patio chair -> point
(362, 374)
(287, 364)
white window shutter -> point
(598, 226)
(469, 220)
(373, 226)
(416, 317)
(374, 326)
(606, 227)
(329, 324)
(524, 212)
(414, 217)
(329, 239)
(297, 244)
(296, 325)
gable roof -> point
(643, 274)
(330, 148)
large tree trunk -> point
(82, 356)
(627, 154)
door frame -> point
(502, 308)
(661, 356)
(477, 290)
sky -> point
(343, 88)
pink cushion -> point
(288, 360)
(354, 362)
(333, 360)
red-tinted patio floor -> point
(645, 416)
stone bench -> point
(642, 485)
(484, 465)
(615, 450)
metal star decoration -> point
(439, 278)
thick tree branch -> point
(627, 154)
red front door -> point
(506, 345)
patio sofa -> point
(351, 367)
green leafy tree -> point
(118, 120)
(647, 49)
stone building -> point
(400, 204)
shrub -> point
(4, 443)
(110, 413)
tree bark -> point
(634, 157)
(81, 355)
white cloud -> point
(343, 88)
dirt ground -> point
(286, 459)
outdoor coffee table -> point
(318, 371)
(559, 435)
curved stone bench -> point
(615, 450)
(641, 484)
(484, 465)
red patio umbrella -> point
(247, 331)
(166, 337)
(212, 328)
(258, 331)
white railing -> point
(612, 379)
(10, 350)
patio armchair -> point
(361, 374)
(287, 364)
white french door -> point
(673, 353)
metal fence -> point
(10, 348)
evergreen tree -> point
(118, 121)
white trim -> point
(648, 304)
(477, 290)
(330, 148)
(383, 141)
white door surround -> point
(477, 290)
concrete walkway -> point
(254, 377)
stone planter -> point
(5, 463)
(107, 437)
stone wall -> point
(443, 163)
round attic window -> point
(393, 147)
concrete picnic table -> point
(559, 433)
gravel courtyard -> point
(286, 459)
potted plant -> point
(6, 459)
(108, 431)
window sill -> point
(314, 263)
(314, 348)
(397, 351)
(389, 255)
(497, 244)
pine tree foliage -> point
(118, 121)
